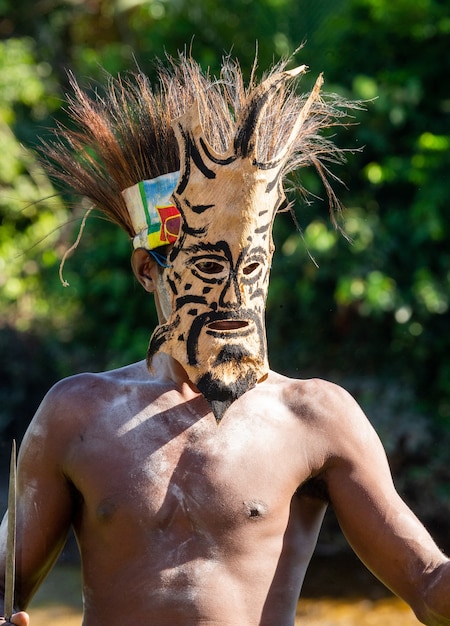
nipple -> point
(255, 508)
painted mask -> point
(218, 268)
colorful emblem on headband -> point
(155, 218)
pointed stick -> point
(10, 570)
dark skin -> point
(184, 521)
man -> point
(196, 481)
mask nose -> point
(231, 297)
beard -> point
(220, 392)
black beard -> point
(220, 395)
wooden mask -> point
(219, 267)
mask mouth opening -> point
(230, 324)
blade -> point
(11, 539)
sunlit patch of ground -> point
(354, 612)
(58, 603)
(55, 615)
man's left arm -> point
(379, 526)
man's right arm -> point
(44, 501)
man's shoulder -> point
(136, 372)
(86, 400)
(308, 390)
(330, 420)
(318, 401)
(81, 394)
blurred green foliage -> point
(372, 313)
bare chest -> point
(171, 468)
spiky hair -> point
(124, 135)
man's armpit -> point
(315, 488)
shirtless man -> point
(196, 481)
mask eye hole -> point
(209, 267)
(250, 269)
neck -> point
(165, 366)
